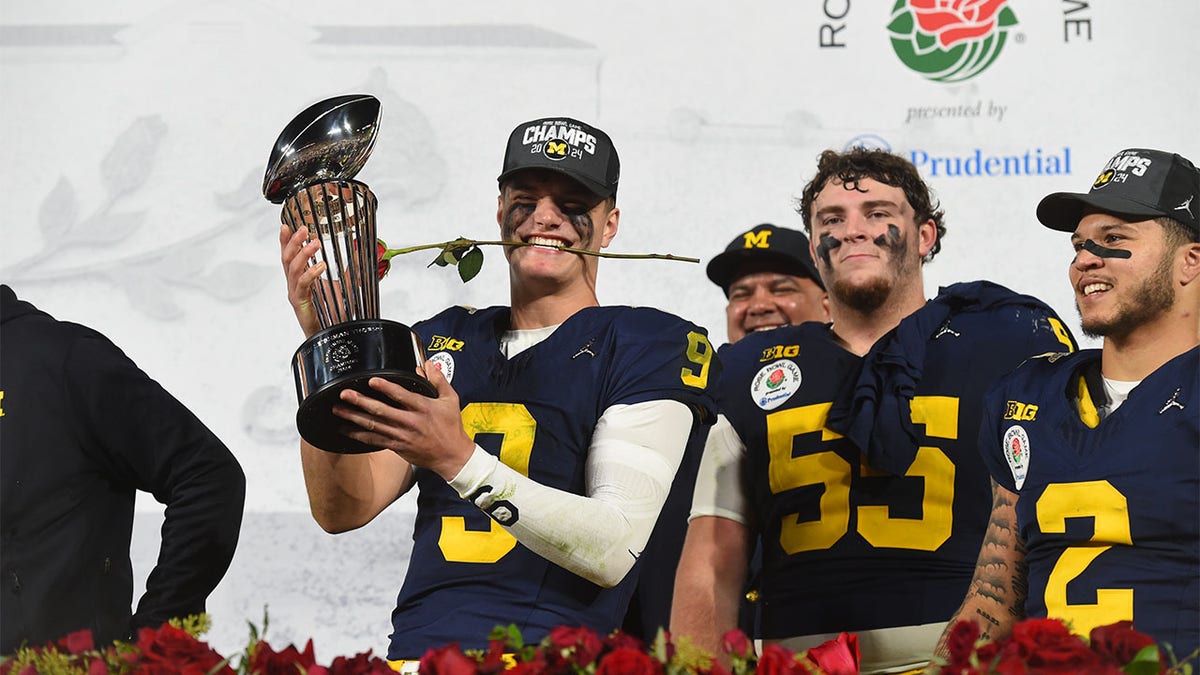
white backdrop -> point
(136, 134)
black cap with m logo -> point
(1135, 183)
(567, 146)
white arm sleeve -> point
(720, 490)
(635, 452)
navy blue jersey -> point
(845, 545)
(537, 412)
(1110, 514)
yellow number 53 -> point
(939, 414)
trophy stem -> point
(341, 215)
(348, 298)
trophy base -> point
(347, 356)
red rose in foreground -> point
(838, 656)
(776, 660)
(493, 659)
(735, 643)
(1050, 647)
(1005, 658)
(961, 642)
(628, 661)
(78, 642)
(266, 661)
(577, 645)
(618, 640)
(172, 650)
(448, 660)
(360, 664)
(1120, 643)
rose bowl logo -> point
(950, 40)
(775, 379)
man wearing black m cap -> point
(558, 429)
(770, 280)
(1094, 455)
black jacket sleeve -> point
(147, 440)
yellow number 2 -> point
(1101, 501)
(517, 426)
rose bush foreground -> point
(176, 648)
(1047, 646)
(1036, 646)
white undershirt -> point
(1116, 391)
(719, 483)
(634, 454)
(514, 342)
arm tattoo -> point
(999, 586)
(986, 632)
(1020, 584)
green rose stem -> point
(466, 255)
(459, 244)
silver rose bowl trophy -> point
(310, 172)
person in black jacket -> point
(82, 428)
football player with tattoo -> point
(1094, 455)
(557, 432)
(857, 438)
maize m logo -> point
(950, 40)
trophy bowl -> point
(330, 139)
(310, 172)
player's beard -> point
(865, 298)
(1146, 302)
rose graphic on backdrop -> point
(950, 40)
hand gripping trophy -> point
(310, 172)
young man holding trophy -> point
(557, 430)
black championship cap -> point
(764, 248)
(567, 146)
(1136, 183)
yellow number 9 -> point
(1060, 332)
(517, 426)
(699, 352)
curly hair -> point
(890, 169)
